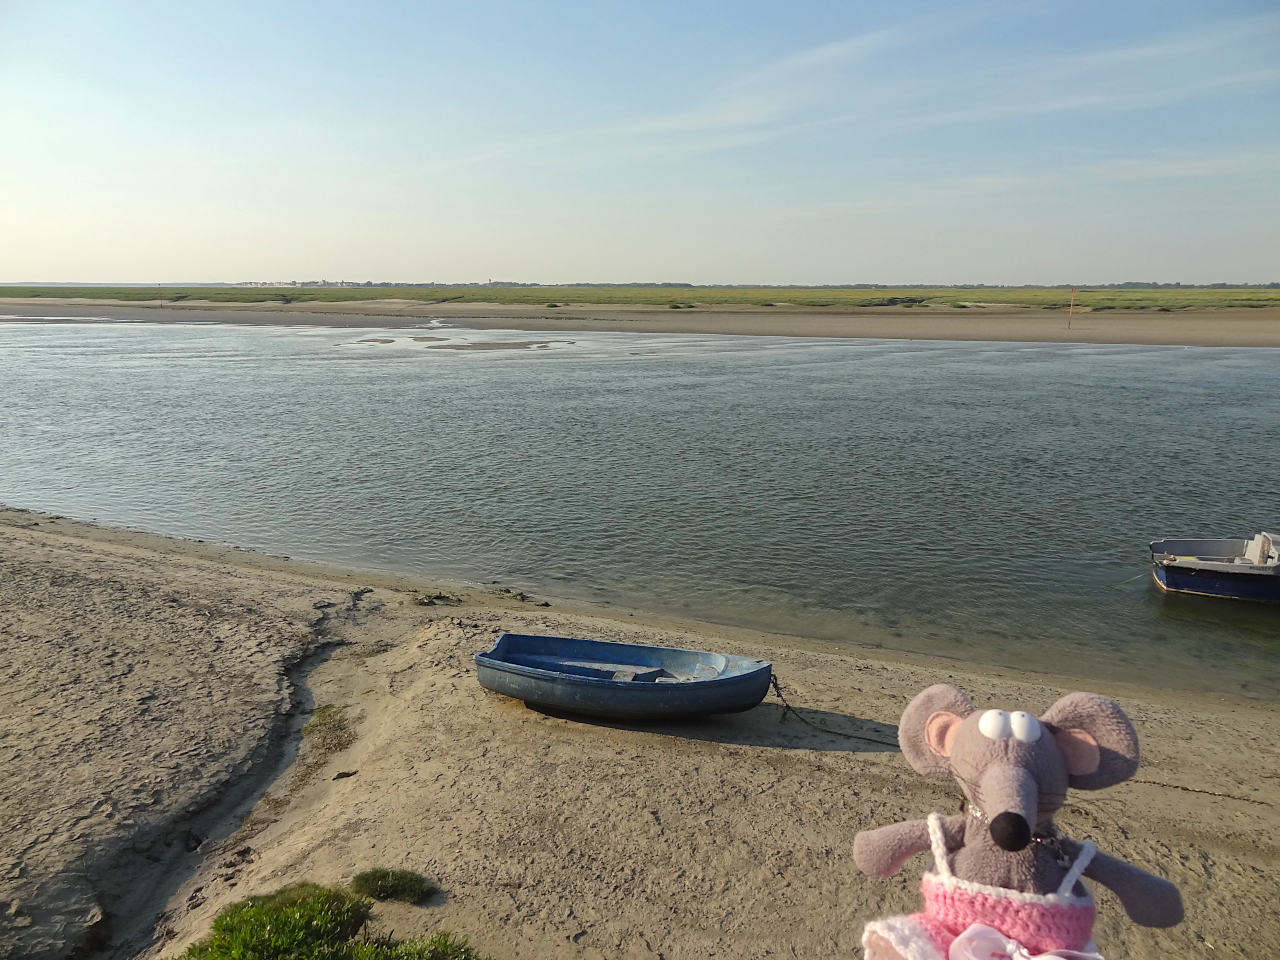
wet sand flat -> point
(1201, 327)
(145, 699)
(149, 678)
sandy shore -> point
(1217, 327)
(154, 689)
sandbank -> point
(1219, 327)
(503, 345)
(152, 772)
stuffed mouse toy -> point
(1005, 882)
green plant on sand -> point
(505, 593)
(384, 884)
(305, 921)
(431, 600)
(328, 727)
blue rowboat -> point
(1240, 569)
(621, 680)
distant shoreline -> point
(1213, 327)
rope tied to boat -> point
(789, 710)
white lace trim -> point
(906, 934)
(1087, 850)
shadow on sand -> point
(768, 725)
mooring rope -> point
(1144, 573)
(788, 709)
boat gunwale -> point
(1174, 553)
(577, 680)
(1228, 568)
(757, 666)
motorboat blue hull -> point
(621, 680)
(1206, 583)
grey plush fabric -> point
(940, 698)
(881, 852)
(1014, 784)
(1149, 901)
(1106, 723)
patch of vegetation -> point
(305, 921)
(434, 599)
(506, 594)
(384, 884)
(1120, 296)
(893, 302)
(329, 729)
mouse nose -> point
(1011, 832)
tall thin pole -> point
(1071, 307)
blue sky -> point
(712, 143)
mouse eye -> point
(1025, 727)
(994, 725)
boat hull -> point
(1262, 587)
(620, 681)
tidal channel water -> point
(981, 501)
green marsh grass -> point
(305, 921)
(1179, 298)
(329, 729)
(384, 884)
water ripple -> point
(981, 501)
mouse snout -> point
(1011, 832)
(1011, 789)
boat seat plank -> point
(643, 676)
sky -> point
(750, 142)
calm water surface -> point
(981, 501)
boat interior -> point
(600, 660)
(600, 670)
(1261, 550)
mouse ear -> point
(1097, 740)
(928, 727)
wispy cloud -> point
(780, 91)
(804, 62)
(742, 110)
(890, 94)
(923, 191)
(1173, 69)
(747, 108)
(1226, 35)
(770, 93)
(1033, 100)
(1184, 166)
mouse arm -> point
(1149, 900)
(880, 852)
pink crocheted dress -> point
(1055, 924)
